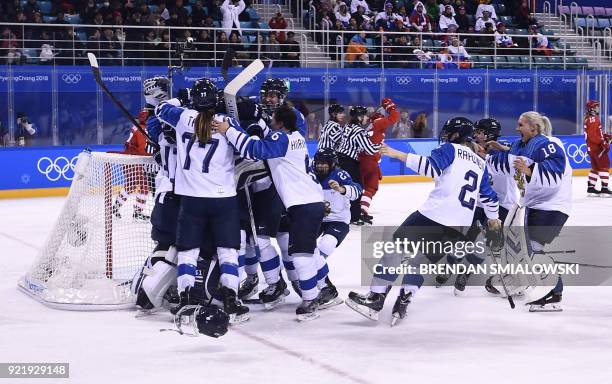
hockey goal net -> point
(101, 238)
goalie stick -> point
(93, 62)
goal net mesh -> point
(101, 238)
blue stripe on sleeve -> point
(300, 122)
(442, 157)
(169, 113)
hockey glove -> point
(388, 104)
(495, 238)
(156, 90)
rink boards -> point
(48, 171)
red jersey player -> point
(598, 146)
(136, 178)
(368, 164)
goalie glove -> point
(156, 90)
(495, 238)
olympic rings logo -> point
(253, 80)
(474, 80)
(578, 153)
(547, 80)
(331, 79)
(58, 168)
(71, 78)
(403, 80)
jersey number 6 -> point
(472, 179)
(191, 139)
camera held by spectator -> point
(26, 128)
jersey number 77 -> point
(212, 147)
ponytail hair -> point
(202, 125)
(538, 121)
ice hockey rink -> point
(474, 338)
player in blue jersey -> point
(338, 191)
(536, 162)
(205, 181)
(461, 180)
(285, 150)
(272, 94)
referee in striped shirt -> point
(331, 134)
(354, 141)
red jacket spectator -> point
(278, 22)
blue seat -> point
(253, 14)
(541, 61)
(188, 8)
(31, 55)
(45, 7)
(603, 23)
(264, 25)
(49, 19)
(555, 62)
(73, 19)
(82, 36)
(153, 8)
(246, 25)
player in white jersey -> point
(338, 191)
(538, 165)
(285, 150)
(156, 281)
(205, 181)
(461, 179)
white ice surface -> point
(444, 339)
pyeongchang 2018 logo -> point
(55, 169)
(578, 153)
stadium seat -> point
(587, 11)
(246, 25)
(253, 14)
(540, 61)
(31, 55)
(603, 23)
(484, 61)
(580, 22)
(564, 9)
(471, 19)
(576, 10)
(45, 7)
(563, 46)
(73, 19)
(82, 36)
(188, 8)
(49, 19)
(599, 11)
(525, 61)
(264, 25)
(520, 31)
(555, 62)
(500, 61)
(577, 62)
(609, 12)
(217, 24)
(506, 20)
(152, 8)
(501, 9)
(427, 43)
(512, 62)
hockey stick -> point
(231, 89)
(98, 77)
(251, 216)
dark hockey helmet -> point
(277, 86)
(325, 156)
(334, 109)
(212, 321)
(592, 107)
(357, 111)
(457, 130)
(490, 127)
(204, 95)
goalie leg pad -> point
(158, 277)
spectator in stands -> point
(273, 50)
(204, 45)
(420, 21)
(447, 3)
(521, 15)
(109, 47)
(463, 21)
(460, 55)
(106, 10)
(208, 22)
(342, 14)
(235, 42)
(353, 26)
(197, 13)
(404, 18)
(401, 53)
(339, 26)
(214, 10)
(447, 19)
(10, 47)
(291, 49)
(502, 40)
(483, 21)
(357, 52)
(93, 42)
(433, 10)
(98, 19)
(30, 9)
(487, 39)
(485, 5)
(403, 127)
(279, 22)
(386, 16)
(313, 126)
(359, 15)
(540, 42)
(230, 14)
(222, 44)
(144, 11)
(471, 6)
(355, 4)
(420, 128)
(180, 10)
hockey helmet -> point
(490, 127)
(277, 86)
(357, 111)
(204, 94)
(212, 321)
(592, 106)
(335, 108)
(457, 130)
(324, 156)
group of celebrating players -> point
(228, 185)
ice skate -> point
(461, 282)
(441, 279)
(183, 301)
(368, 305)
(605, 192)
(366, 219)
(274, 294)
(549, 303)
(296, 287)
(237, 312)
(400, 306)
(248, 287)
(328, 297)
(307, 310)
(592, 192)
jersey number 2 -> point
(191, 139)
(472, 178)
